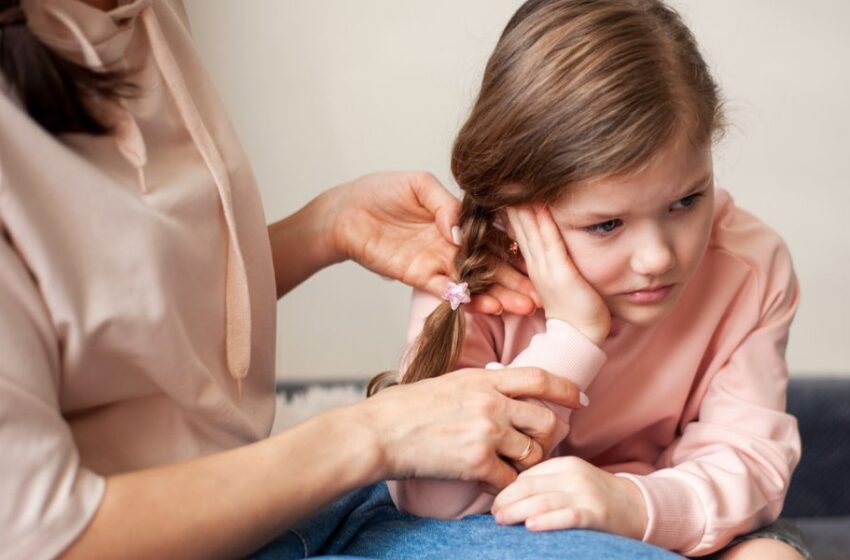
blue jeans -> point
(366, 524)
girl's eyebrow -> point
(598, 217)
(699, 183)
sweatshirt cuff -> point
(563, 351)
(676, 518)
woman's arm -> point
(236, 501)
(398, 225)
(302, 244)
(228, 504)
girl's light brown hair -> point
(574, 90)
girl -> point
(590, 144)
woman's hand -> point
(570, 493)
(399, 225)
(459, 426)
(565, 294)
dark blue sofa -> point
(819, 496)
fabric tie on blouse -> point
(106, 52)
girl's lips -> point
(649, 296)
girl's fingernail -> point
(582, 398)
(456, 235)
(531, 523)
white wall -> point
(325, 90)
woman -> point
(137, 302)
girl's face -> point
(638, 239)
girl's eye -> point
(686, 202)
(605, 227)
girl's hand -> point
(570, 493)
(399, 225)
(565, 294)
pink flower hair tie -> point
(456, 294)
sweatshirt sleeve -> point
(560, 349)
(48, 498)
(729, 471)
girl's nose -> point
(653, 255)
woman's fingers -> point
(499, 299)
(536, 383)
(513, 280)
(522, 450)
(513, 292)
(487, 304)
(534, 418)
(432, 195)
(497, 477)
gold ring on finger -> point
(527, 451)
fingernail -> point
(531, 523)
(456, 235)
(582, 398)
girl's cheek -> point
(602, 268)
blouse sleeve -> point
(48, 498)
(560, 349)
(729, 471)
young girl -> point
(587, 160)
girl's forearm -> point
(302, 244)
(229, 504)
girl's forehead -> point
(675, 173)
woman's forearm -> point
(229, 504)
(302, 244)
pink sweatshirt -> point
(691, 409)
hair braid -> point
(438, 346)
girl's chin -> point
(640, 315)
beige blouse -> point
(136, 282)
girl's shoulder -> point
(743, 246)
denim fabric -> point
(366, 524)
(782, 529)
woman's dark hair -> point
(54, 90)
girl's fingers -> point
(530, 507)
(567, 518)
(523, 488)
(530, 254)
(553, 243)
(527, 221)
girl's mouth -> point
(649, 296)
